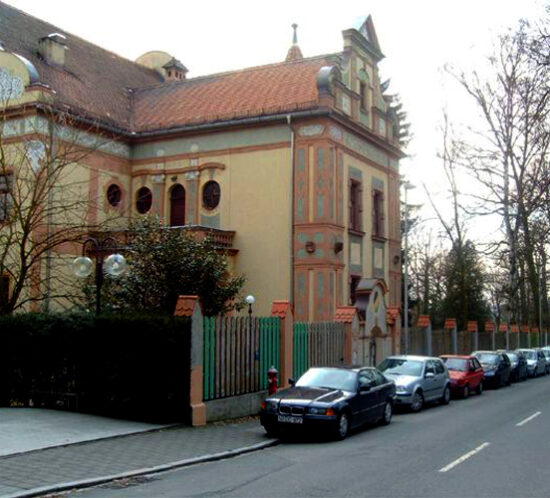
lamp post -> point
(250, 300)
(114, 264)
(407, 186)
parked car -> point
(330, 399)
(496, 367)
(546, 353)
(466, 374)
(536, 362)
(518, 365)
(418, 379)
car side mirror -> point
(429, 375)
(363, 388)
(292, 382)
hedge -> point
(133, 367)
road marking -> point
(464, 457)
(528, 419)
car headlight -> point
(401, 388)
(317, 411)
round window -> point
(211, 194)
(114, 195)
(144, 200)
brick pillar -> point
(349, 317)
(425, 323)
(283, 310)
(189, 306)
(450, 324)
(472, 327)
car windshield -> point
(401, 366)
(530, 355)
(513, 357)
(487, 358)
(456, 364)
(329, 377)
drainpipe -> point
(289, 119)
(49, 218)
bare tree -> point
(45, 202)
(508, 156)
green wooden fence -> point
(238, 352)
(317, 344)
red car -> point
(466, 374)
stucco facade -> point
(304, 181)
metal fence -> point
(442, 342)
(318, 344)
(238, 352)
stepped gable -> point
(257, 91)
(92, 81)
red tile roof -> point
(93, 81)
(257, 91)
(97, 83)
(345, 314)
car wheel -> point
(466, 391)
(342, 428)
(387, 415)
(417, 402)
(446, 398)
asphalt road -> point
(493, 445)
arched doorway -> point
(177, 206)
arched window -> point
(177, 206)
(144, 199)
(211, 194)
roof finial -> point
(294, 52)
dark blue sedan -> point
(330, 400)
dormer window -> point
(174, 70)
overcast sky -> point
(417, 37)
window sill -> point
(379, 238)
(358, 233)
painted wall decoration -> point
(376, 312)
(11, 87)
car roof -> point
(459, 356)
(412, 357)
(353, 368)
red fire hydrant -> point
(272, 380)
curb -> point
(85, 483)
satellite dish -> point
(83, 266)
(115, 265)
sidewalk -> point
(87, 459)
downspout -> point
(291, 294)
(49, 217)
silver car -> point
(418, 379)
(546, 351)
(536, 362)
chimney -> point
(174, 70)
(52, 48)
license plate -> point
(289, 419)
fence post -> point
(425, 323)
(525, 330)
(283, 310)
(189, 306)
(515, 330)
(503, 327)
(450, 324)
(349, 317)
(490, 327)
(472, 327)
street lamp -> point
(250, 300)
(407, 186)
(113, 265)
